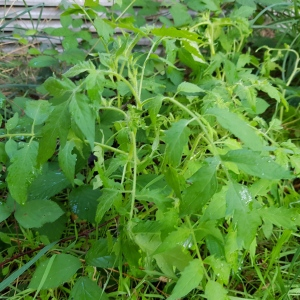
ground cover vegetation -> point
(159, 159)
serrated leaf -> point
(22, 171)
(174, 238)
(63, 267)
(180, 14)
(238, 127)
(270, 90)
(57, 87)
(67, 160)
(84, 66)
(106, 200)
(57, 125)
(255, 164)
(38, 110)
(37, 213)
(203, 185)
(154, 106)
(103, 28)
(190, 278)
(280, 216)
(176, 139)
(214, 290)
(100, 256)
(83, 202)
(187, 87)
(238, 198)
(220, 267)
(43, 61)
(83, 116)
(86, 289)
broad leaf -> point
(214, 290)
(203, 185)
(83, 202)
(104, 29)
(22, 171)
(38, 212)
(67, 160)
(43, 61)
(253, 163)
(176, 139)
(57, 125)
(280, 216)
(51, 273)
(86, 289)
(187, 87)
(238, 127)
(57, 87)
(5, 211)
(49, 183)
(82, 67)
(100, 256)
(190, 278)
(83, 116)
(238, 198)
(38, 110)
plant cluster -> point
(160, 161)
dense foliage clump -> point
(159, 160)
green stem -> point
(110, 148)
(133, 192)
(188, 222)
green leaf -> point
(238, 127)
(100, 256)
(12, 122)
(83, 116)
(103, 28)
(154, 106)
(176, 139)
(255, 164)
(174, 238)
(85, 66)
(106, 200)
(86, 289)
(238, 198)
(38, 212)
(220, 267)
(50, 182)
(176, 33)
(190, 278)
(67, 160)
(270, 90)
(63, 267)
(38, 110)
(83, 202)
(5, 211)
(180, 14)
(22, 171)
(280, 216)
(187, 87)
(57, 87)
(203, 185)
(57, 125)
(214, 290)
(43, 61)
